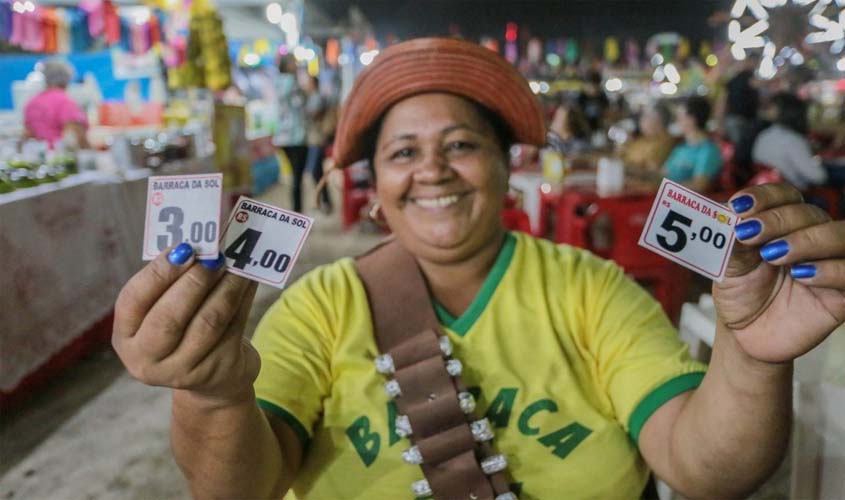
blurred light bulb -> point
(288, 22)
(613, 85)
(672, 73)
(274, 13)
(711, 60)
(656, 60)
(367, 57)
(668, 88)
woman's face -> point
(685, 120)
(441, 176)
(650, 123)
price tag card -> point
(183, 209)
(689, 229)
(262, 242)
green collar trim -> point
(462, 324)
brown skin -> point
(435, 145)
(182, 326)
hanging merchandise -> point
(684, 49)
(611, 49)
(535, 50)
(111, 21)
(49, 26)
(207, 63)
(33, 35)
(332, 51)
(5, 20)
(571, 51)
(96, 16)
(632, 53)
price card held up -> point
(689, 229)
(183, 209)
(261, 242)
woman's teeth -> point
(441, 202)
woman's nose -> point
(434, 168)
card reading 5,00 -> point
(689, 229)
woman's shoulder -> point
(567, 258)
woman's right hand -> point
(179, 323)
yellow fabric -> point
(563, 353)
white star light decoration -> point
(823, 29)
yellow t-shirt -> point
(570, 358)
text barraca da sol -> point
(241, 249)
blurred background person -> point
(696, 162)
(741, 101)
(290, 136)
(569, 131)
(316, 114)
(784, 145)
(52, 115)
(593, 101)
(649, 151)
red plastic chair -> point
(830, 197)
(515, 219)
(356, 195)
(583, 220)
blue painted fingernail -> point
(774, 250)
(213, 264)
(748, 229)
(180, 254)
(742, 204)
(803, 271)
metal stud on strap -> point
(412, 455)
(384, 364)
(466, 402)
(391, 388)
(421, 488)
(403, 426)
(454, 367)
(445, 345)
(494, 464)
(481, 430)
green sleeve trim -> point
(659, 396)
(289, 419)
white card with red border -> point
(262, 242)
(689, 229)
(183, 209)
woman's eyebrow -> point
(402, 137)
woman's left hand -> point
(784, 289)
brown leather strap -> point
(406, 328)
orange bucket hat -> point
(437, 65)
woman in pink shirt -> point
(52, 113)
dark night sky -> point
(593, 19)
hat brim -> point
(436, 65)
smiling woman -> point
(512, 366)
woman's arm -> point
(726, 437)
(233, 451)
(782, 295)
